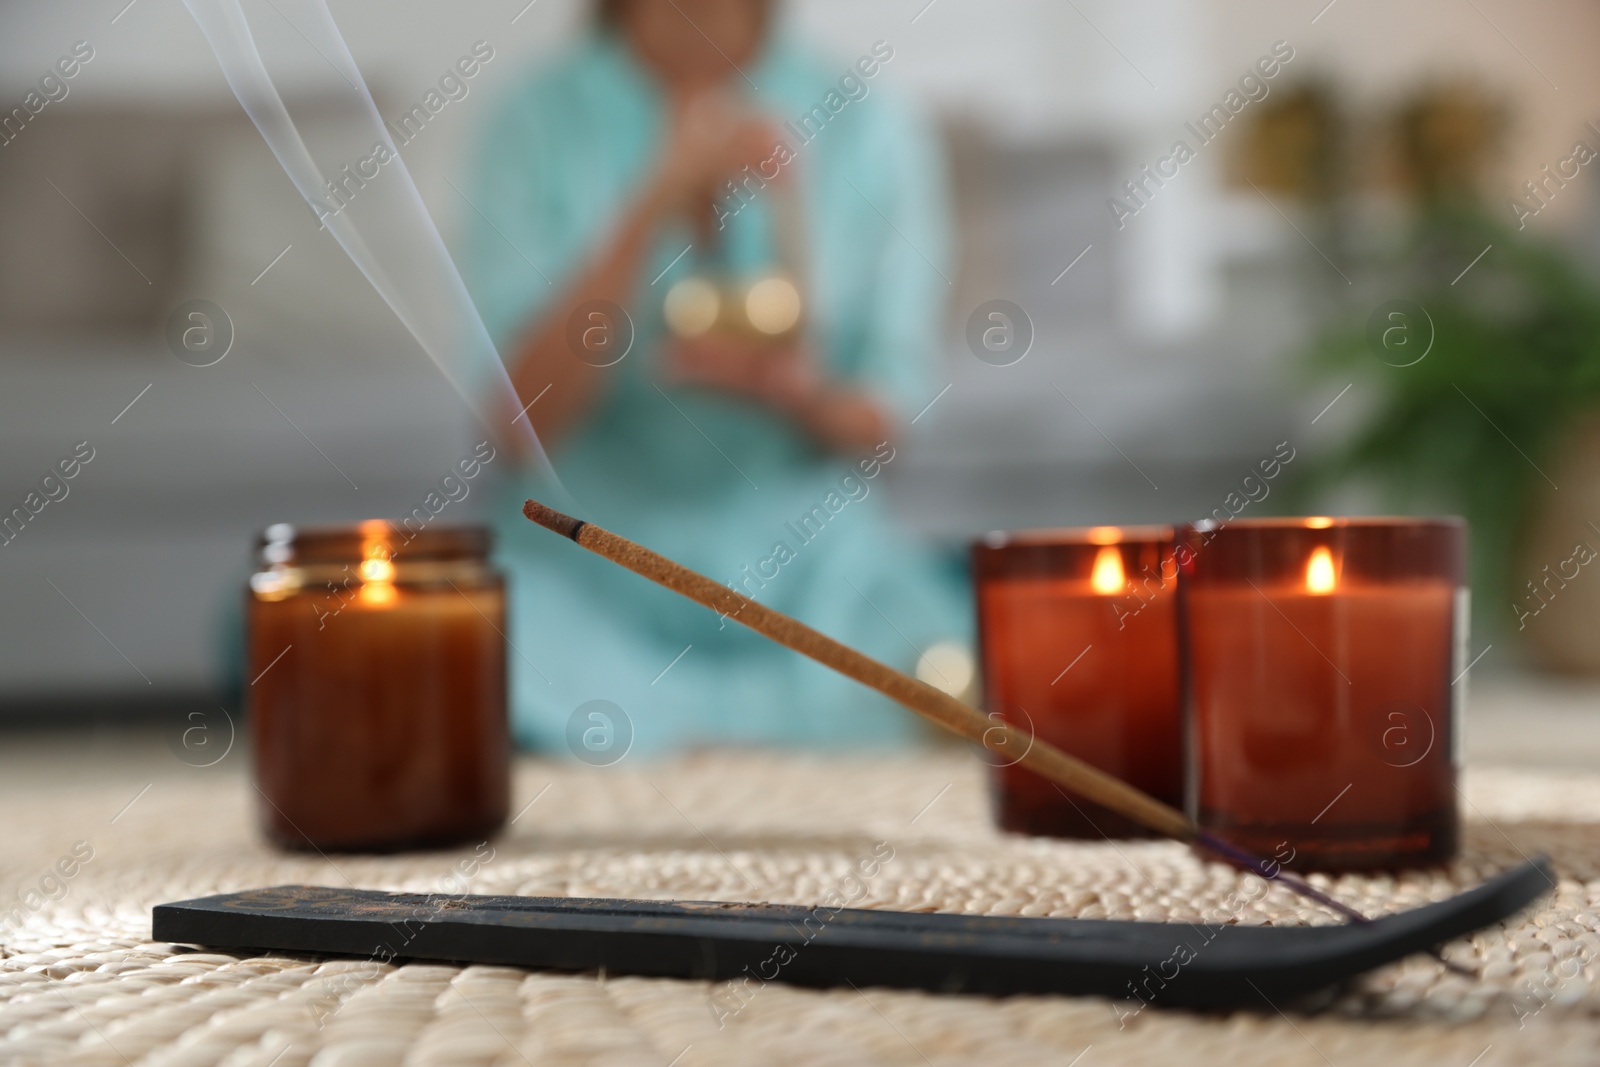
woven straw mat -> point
(81, 982)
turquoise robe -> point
(719, 484)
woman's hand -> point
(786, 379)
(712, 136)
(780, 376)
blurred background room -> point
(1187, 317)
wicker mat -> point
(82, 983)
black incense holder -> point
(1176, 964)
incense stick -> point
(932, 704)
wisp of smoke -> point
(363, 194)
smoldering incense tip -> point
(551, 519)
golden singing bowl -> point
(692, 307)
(772, 306)
(768, 308)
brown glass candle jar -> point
(1077, 634)
(376, 687)
(1322, 676)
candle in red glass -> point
(1077, 634)
(1321, 678)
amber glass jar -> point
(376, 687)
(1077, 634)
(1324, 663)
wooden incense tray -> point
(1164, 963)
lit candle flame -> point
(1107, 576)
(377, 569)
(1320, 577)
(378, 594)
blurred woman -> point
(687, 140)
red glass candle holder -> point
(1077, 634)
(1322, 658)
